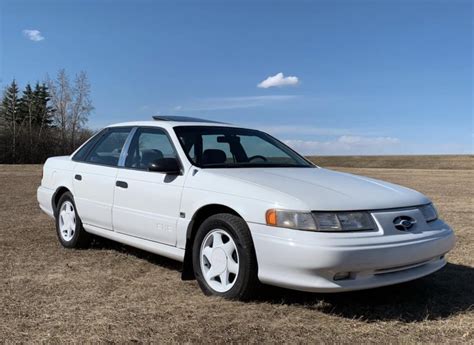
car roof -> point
(173, 121)
(169, 124)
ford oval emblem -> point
(404, 223)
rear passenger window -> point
(109, 148)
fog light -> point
(342, 275)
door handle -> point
(121, 184)
(78, 177)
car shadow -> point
(101, 243)
(437, 296)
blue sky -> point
(358, 77)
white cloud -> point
(33, 35)
(223, 103)
(278, 80)
(347, 145)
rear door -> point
(94, 178)
(146, 204)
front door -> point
(146, 204)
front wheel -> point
(69, 228)
(224, 258)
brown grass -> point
(465, 162)
(115, 293)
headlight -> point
(344, 221)
(429, 212)
(290, 219)
(321, 221)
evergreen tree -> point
(44, 116)
(27, 107)
(9, 110)
(27, 111)
(10, 114)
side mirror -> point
(165, 165)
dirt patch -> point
(115, 293)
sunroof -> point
(181, 119)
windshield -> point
(229, 147)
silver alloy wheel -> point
(67, 221)
(219, 260)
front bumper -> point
(308, 261)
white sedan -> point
(240, 208)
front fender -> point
(251, 210)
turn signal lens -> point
(271, 217)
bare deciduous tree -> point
(60, 91)
(81, 105)
(71, 106)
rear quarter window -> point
(108, 149)
(81, 154)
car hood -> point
(326, 190)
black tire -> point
(246, 282)
(80, 238)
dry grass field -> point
(398, 162)
(113, 293)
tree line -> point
(46, 119)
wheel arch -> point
(57, 195)
(199, 216)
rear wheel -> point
(69, 228)
(224, 258)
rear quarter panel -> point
(57, 172)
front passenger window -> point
(148, 145)
(107, 151)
